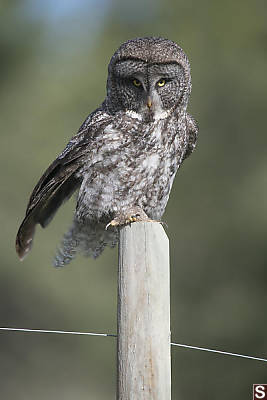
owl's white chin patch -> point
(134, 114)
(154, 116)
(149, 116)
(160, 114)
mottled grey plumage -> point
(125, 155)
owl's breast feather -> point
(133, 163)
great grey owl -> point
(125, 155)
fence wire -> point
(187, 346)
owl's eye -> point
(136, 82)
(161, 82)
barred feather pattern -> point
(126, 153)
(129, 164)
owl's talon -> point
(112, 223)
(126, 221)
(133, 215)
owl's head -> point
(148, 76)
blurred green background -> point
(54, 57)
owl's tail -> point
(90, 239)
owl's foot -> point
(134, 214)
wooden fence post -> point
(144, 361)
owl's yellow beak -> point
(149, 102)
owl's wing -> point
(192, 132)
(55, 186)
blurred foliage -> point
(53, 69)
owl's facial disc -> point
(150, 90)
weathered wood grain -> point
(144, 362)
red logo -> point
(259, 391)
